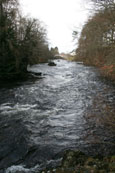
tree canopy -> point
(96, 44)
(23, 40)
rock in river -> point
(51, 64)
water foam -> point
(21, 169)
(7, 108)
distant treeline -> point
(96, 44)
(23, 40)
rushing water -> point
(41, 119)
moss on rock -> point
(78, 162)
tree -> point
(97, 39)
(54, 51)
(23, 40)
(8, 21)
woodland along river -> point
(64, 109)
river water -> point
(40, 119)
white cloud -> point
(60, 16)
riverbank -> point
(23, 76)
(106, 70)
(11, 78)
(78, 162)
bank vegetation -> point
(23, 41)
(96, 45)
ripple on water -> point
(9, 109)
(50, 115)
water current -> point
(40, 119)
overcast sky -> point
(61, 18)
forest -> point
(23, 41)
(96, 45)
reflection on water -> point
(41, 119)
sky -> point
(61, 17)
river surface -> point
(40, 119)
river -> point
(40, 119)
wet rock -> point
(35, 74)
(51, 64)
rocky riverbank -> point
(78, 162)
(13, 78)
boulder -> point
(35, 73)
(51, 64)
